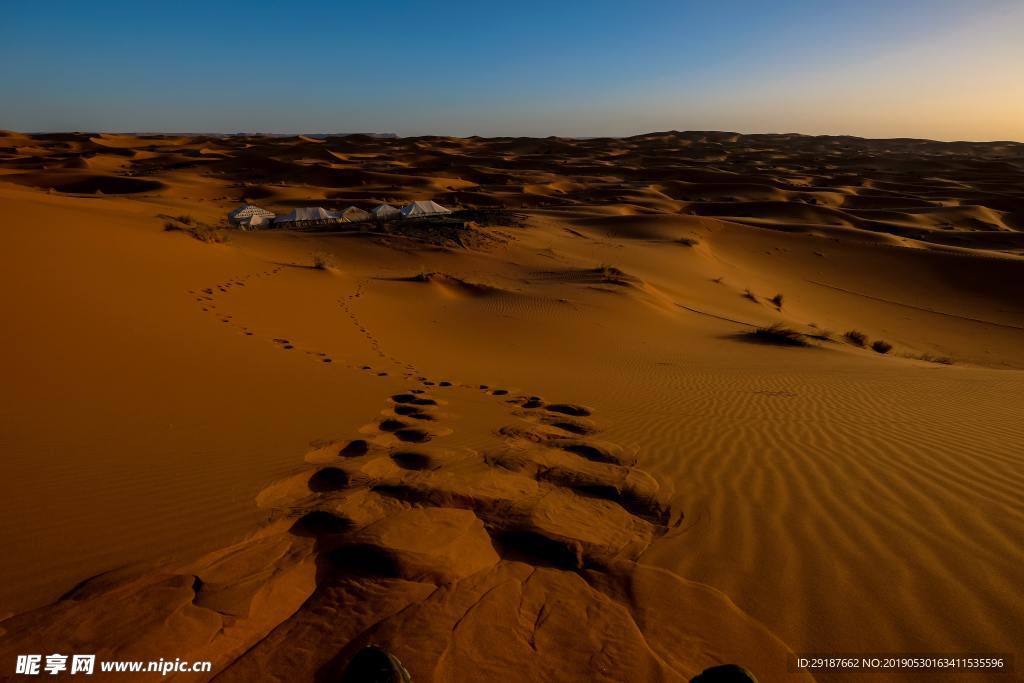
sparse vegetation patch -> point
(856, 337)
(196, 229)
(929, 358)
(778, 335)
(609, 273)
(823, 335)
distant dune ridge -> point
(639, 407)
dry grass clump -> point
(822, 335)
(610, 274)
(857, 338)
(779, 335)
(881, 346)
(929, 358)
(322, 260)
(777, 300)
(688, 241)
(196, 229)
(747, 294)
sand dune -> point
(534, 448)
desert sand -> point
(548, 447)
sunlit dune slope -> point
(695, 398)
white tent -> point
(354, 214)
(424, 208)
(385, 212)
(255, 222)
(249, 211)
(307, 214)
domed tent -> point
(249, 216)
(385, 212)
(423, 208)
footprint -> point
(409, 410)
(355, 448)
(592, 452)
(321, 523)
(328, 479)
(413, 435)
(568, 409)
(391, 425)
(572, 426)
(543, 497)
(411, 460)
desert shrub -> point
(609, 273)
(688, 241)
(779, 335)
(880, 346)
(322, 260)
(856, 337)
(777, 300)
(717, 280)
(747, 294)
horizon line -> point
(399, 136)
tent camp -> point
(385, 212)
(306, 216)
(423, 208)
(249, 216)
(354, 214)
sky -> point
(940, 69)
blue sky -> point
(922, 68)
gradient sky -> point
(942, 69)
